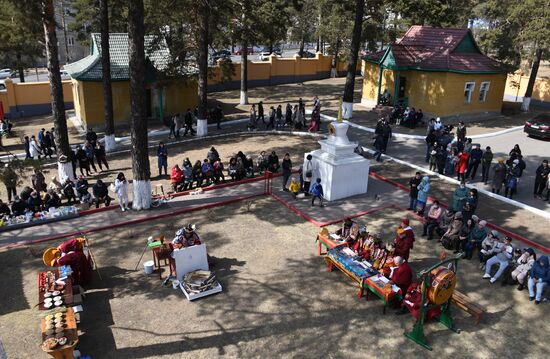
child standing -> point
(433, 160)
(294, 187)
(317, 192)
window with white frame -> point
(483, 90)
(468, 91)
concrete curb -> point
(418, 137)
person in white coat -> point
(121, 190)
(525, 262)
(34, 149)
(307, 171)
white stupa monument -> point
(343, 172)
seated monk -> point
(367, 246)
(353, 238)
(404, 240)
(378, 253)
(411, 302)
(385, 265)
(346, 227)
(186, 237)
(401, 274)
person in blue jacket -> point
(538, 279)
(422, 197)
(316, 192)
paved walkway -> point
(333, 212)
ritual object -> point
(437, 283)
(335, 161)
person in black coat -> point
(541, 178)
(101, 194)
(18, 207)
(273, 162)
(4, 209)
(287, 170)
(52, 200)
(82, 189)
(34, 202)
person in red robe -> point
(404, 240)
(412, 300)
(401, 274)
(71, 253)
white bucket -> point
(149, 267)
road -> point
(533, 150)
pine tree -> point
(138, 131)
(110, 144)
(65, 169)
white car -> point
(5, 73)
(2, 85)
(65, 75)
(264, 55)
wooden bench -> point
(465, 303)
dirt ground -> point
(249, 143)
(279, 300)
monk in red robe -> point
(71, 253)
(412, 300)
(404, 240)
(401, 274)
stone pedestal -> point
(343, 173)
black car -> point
(222, 54)
(538, 126)
(306, 55)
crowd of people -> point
(294, 117)
(462, 158)
(499, 259)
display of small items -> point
(38, 216)
(54, 336)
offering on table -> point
(49, 344)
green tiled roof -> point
(90, 69)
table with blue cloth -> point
(363, 273)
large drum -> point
(443, 285)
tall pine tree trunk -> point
(64, 166)
(532, 79)
(140, 152)
(244, 57)
(20, 68)
(244, 73)
(110, 144)
(202, 124)
(347, 105)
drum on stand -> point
(443, 285)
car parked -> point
(538, 126)
(222, 54)
(240, 51)
(264, 55)
(5, 73)
(306, 55)
(2, 85)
